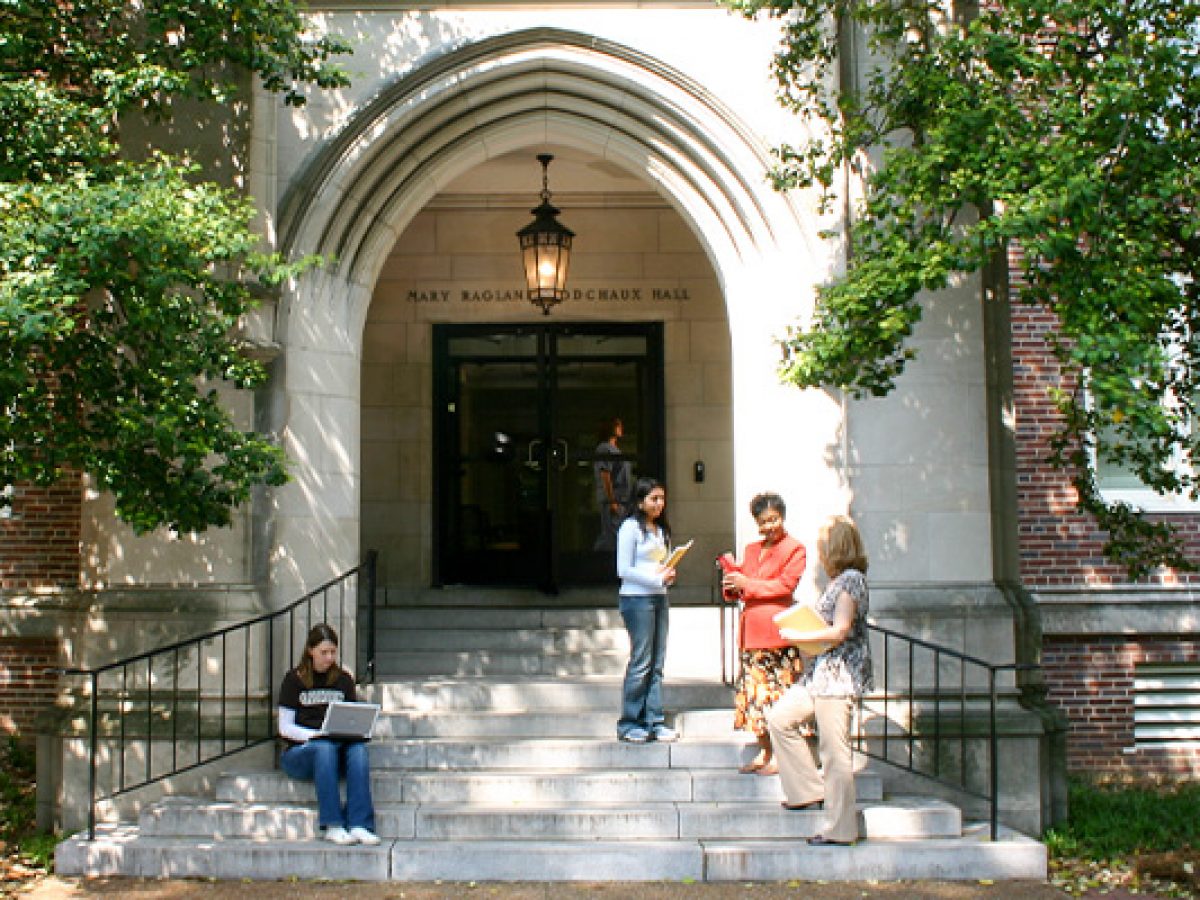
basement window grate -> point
(1166, 705)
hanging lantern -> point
(545, 249)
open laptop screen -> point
(350, 720)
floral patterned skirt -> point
(766, 675)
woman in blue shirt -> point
(642, 544)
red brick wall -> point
(26, 683)
(1059, 546)
(39, 549)
(1091, 679)
(39, 543)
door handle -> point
(530, 462)
(565, 454)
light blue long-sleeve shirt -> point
(639, 559)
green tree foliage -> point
(122, 281)
(1068, 129)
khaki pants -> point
(802, 782)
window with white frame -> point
(1119, 484)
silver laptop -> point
(353, 721)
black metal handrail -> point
(156, 678)
(927, 705)
(936, 717)
(730, 660)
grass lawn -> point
(1140, 836)
(24, 854)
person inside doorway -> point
(614, 482)
(764, 582)
(642, 545)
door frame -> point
(654, 454)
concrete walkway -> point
(143, 889)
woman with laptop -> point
(311, 755)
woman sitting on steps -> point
(306, 692)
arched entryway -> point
(482, 417)
(490, 103)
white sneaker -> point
(336, 834)
(663, 734)
(364, 836)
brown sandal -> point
(770, 768)
(750, 768)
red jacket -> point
(773, 574)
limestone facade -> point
(411, 184)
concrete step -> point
(589, 723)
(502, 599)
(420, 618)
(535, 786)
(706, 723)
(473, 821)
(394, 664)
(520, 724)
(500, 722)
(531, 637)
(570, 754)
(122, 850)
(534, 694)
(505, 640)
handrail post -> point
(715, 598)
(993, 752)
(372, 588)
(270, 679)
(92, 752)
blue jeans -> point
(641, 701)
(323, 761)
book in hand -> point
(803, 618)
(677, 554)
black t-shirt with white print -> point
(310, 703)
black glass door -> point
(521, 414)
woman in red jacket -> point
(764, 581)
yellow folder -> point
(677, 554)
(804, 618)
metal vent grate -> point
(1166, 704)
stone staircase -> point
(498, 761)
